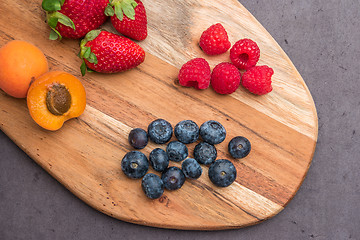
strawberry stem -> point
(86, 53)
(53, 17)
(121, 7)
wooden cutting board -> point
(85, 154)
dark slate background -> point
(322, 39)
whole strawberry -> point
(214, 40)
(73, 18)
(244, 54)
(195, 73)
(107, 52)
(258, 80)
(225, 78)
(128, 17)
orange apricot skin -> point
(21, 62)
(36, 99)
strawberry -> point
(107, 52)
(73, 18)
(128, 17)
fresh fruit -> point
(225, 78)
(177, 151)
(214, 40)
(239, 147)
(159, 159)
(135, 164)
(187, 131)
(21, 63)
(191, 168)
(106, 52)
(195, 73)
(222, 173)
(258, 80)
(173, 178)
(152, 186)
(128, 17)
(212, 132)
(205, 153)
(138, 138)
(160, 131)
(72, 18)
(244, 54)
(54, 98)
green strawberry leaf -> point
(121, 7)
(87, 53)
(52, 21)
(109, 10)
(118, 11)
(91, 35)
(128, 7)
(92, 58)
(83, 68)
(52, 5)
(64, 19)
(54, 34)
(133, 3)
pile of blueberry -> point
(222, 172)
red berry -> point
(85, 15)
(258, 80)
(195, 73)
(225, 78)
(245, 54)
(214, 40)
(107, 52)
(135, 26)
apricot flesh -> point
(21, 63)
(54, 98)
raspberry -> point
(225, 78)
(214, 40)
(245, 54)
(195, 73)
(258, 80)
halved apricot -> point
(54, 98)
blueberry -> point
(159, 159)
(160, 131)
(212, 132)
(239, 147)
(222, 173)
(177, 151)
(138, 138)
(187, 131)
(205, 153)
(191, 168)
(134, 164)
(173, 178)
(152, 186)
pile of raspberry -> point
(226, 77)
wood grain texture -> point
(85, 154)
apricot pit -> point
(58, 99)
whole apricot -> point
(54, 98)
(21, 62)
